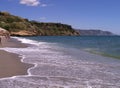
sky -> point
(81, 14)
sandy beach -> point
(10, 64)
(55, 66)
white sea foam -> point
(24, 40)
(55, 66)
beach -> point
(10, 64)
(57, 65)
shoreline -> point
(10, 63)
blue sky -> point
(81, 14)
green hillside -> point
(23, 27)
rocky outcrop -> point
(23, 33)
(19, 26)
(4, 32)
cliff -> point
(19, 26)
(96, 32)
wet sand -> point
(10, 64)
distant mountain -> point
(93, 32)
(19, 26)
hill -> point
(95, 32)
(19, 26)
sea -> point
(68, 62)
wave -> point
(56, 66)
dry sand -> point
(10, 64)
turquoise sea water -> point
(103, 45)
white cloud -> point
(30, 2)
(42, 18)
(43, 5)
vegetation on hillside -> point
(23, 27)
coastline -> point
(10, 63)
(61, 67)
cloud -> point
(44, 5)
(42, 18)
(30, 2)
